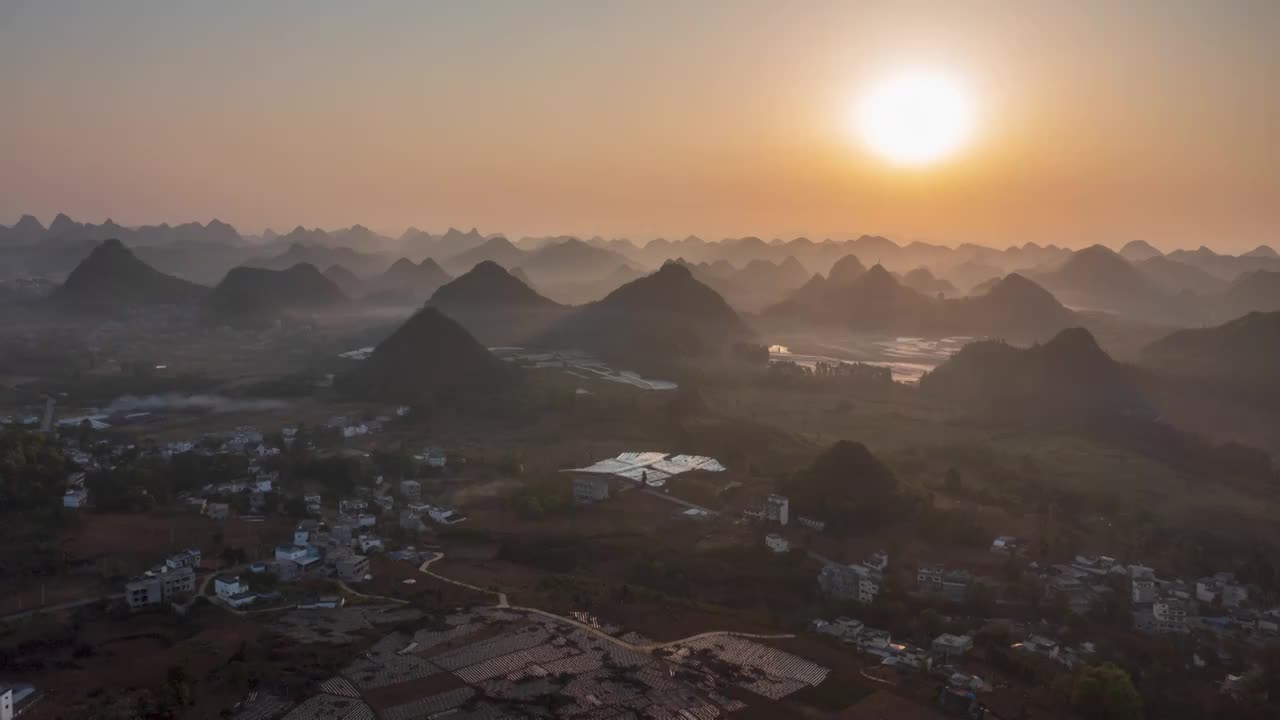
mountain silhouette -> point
(1227, 267)
(759, 284)
(112, 276)
(428, 358)
(1067, 377)
(496, 306)
(846, 270)
(1096, 278)
(1136, 250)
(871, 301)
(454, 241)
(348, 282)
(1241, 354)
(488, 284)
(1013, 306)
(406, 281)
(304, 248)
(1173, 276)
(248, 295)
(1263, 251)
(923, 281)
(498, 250)
(659, 319)
(570, 259)
(1254, 291)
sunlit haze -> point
(916, 117)
(1092, 121)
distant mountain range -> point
(876, 301)
(751, 273)
(758, 284)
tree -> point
(233, 556)
(1105, 692)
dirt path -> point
(644, 647)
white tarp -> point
(652, 468)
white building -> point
(302, 555)
(776, 543)
(75, 498)
(1142, 585)
(225, 587)
(775, 509)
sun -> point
(915, 117)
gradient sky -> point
(1101, 121)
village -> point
(314, 556)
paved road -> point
(71, 605)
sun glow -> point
(915, 118)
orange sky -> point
(1155, 121)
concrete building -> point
(776, 508)
(952, 585)
(1223, 587)
(411, 491)
(850, 582)
(16, 699)
(189, 558)
(1142, 586)
(1170, 616)
(948, 645)
(589, 489)
(159, 586)
(352, 568)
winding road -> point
(642, 647)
